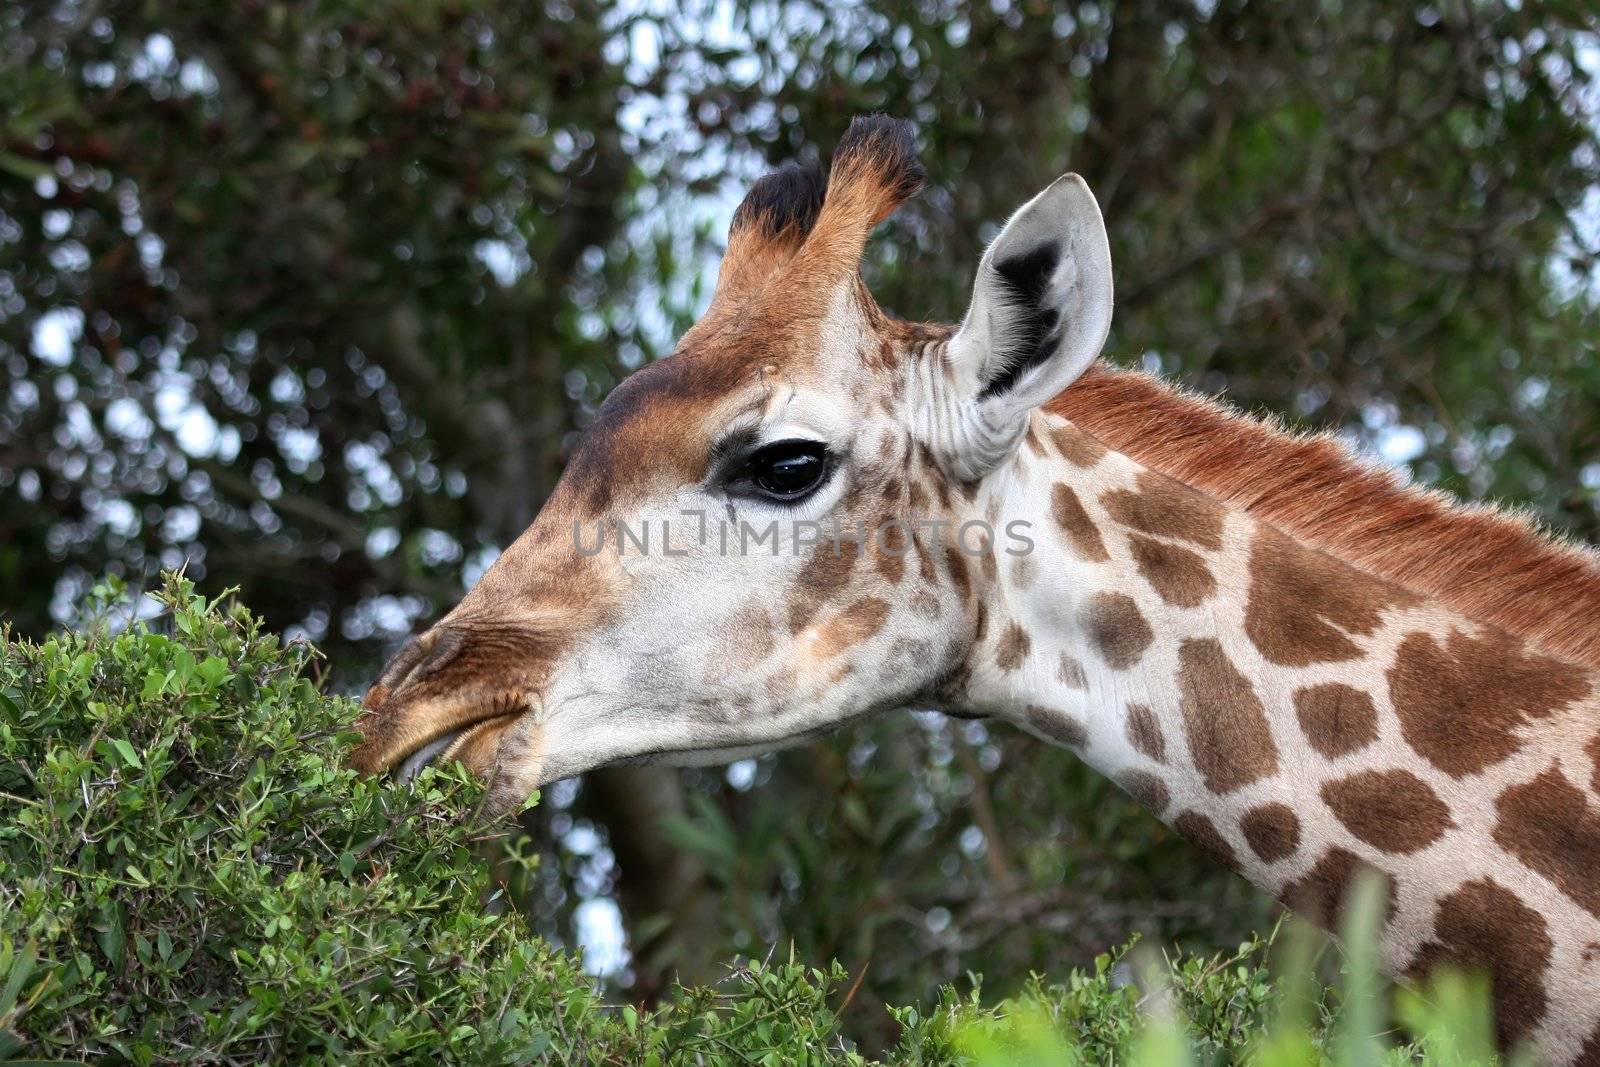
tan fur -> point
(1490, 565)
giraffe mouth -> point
(412, 765)
(466, 743)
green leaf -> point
(125, 750)
(213, 670)
(18, 966)
(9, 707)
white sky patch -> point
(1571, 283)
(600, 936)
(125, 418)
(119, 516)
(196, 78)
(506, 262)
(181, 524)
(382, 616)
(56, 334)
(158, 46)
(382, 541)
(1400, 444)
(186, 419)
(742, 774)
(300, 447)
(582, 840)
(477, 564)
(365, 460)
(1532, 392)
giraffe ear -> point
(1041, 308)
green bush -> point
(189, 873)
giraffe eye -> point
(788, 470)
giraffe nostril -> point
(417, 658)
(444, 646)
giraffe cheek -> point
(841, 631)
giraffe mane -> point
(1492, 565)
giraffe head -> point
(746, 548)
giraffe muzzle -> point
(452, 694)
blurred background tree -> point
(311, 298)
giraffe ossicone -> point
(1299, 663)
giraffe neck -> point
(1298, 719)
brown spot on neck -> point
(1337, 719)
(1273, 831)
(1024, 572)
(1012, 650)
(1461, 705)
(1074, 521)
(1179, 577)
(1077, 447)
(1485, 925)
(1116, 629)
(1226, 726)
(925, 566)
(1204, 833)
(1303, 603)
(1144, 733)
(1166, 508)
(1146, 788)
(1034, 443)
(1394, 811)
(1053, 724)
(959, 578)
(1071, 674)
(1320, 894)
(1550, 825)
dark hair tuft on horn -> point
(886, 148)
(788, 199)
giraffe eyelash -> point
(729, 454)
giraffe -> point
(1296, 661)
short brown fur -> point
(1489, 565)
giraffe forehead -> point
(659, 425)
(660, 422)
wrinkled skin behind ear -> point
(1041, 309)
